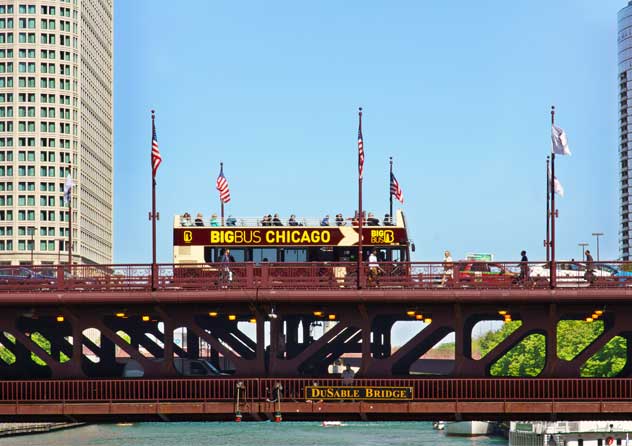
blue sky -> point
(458, 93)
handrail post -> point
(250, 275)
(60, 277)
(265, 270)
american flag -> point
(222, 186)
(396, 191)
(156, 159)
(360, 148)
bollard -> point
(277, 402)
(240, 386)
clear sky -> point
(457, 92)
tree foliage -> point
(527, 358)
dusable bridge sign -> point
(366, 393)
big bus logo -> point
(379, 236)
(188, 236)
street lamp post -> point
(597, 235)
(583, 247)
(32, 234)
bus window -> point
(345, 254)
(215, 254)
(321, 255)
(237, 255)
(258, 254)
(295, 255)
(208, 254)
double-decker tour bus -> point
(199, 244)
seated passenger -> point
(267, 220)
(339, 220)
(214, 221)
(325, 221)
(276, 221)
(292, 221)
(231, 221)
(372, 221)
(387, 220)
(199, 219)
(185, 220)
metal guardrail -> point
(314, 275)
(293, 389)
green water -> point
(251, 434)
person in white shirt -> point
(448, 268)
(374, 268)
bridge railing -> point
(314, 275)
(293, 389)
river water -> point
(251, 434)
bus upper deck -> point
(203, 240)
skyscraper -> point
(625, 128)
(56, 115)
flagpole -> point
(552, 269)
(360, 216)
(70, 222)
(548, 201)
(154, 267)
(390, 193)
(221, 169)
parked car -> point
(484, 274)
(18, 274)
(569, 274)
(619, 276)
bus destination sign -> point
(286, 236)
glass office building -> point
(56, 116)
(625, 127)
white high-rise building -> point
(56, 112)
(625, 128)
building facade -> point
(56, 116)
(625, 129)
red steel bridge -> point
(69, 334)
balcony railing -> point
(460, 274)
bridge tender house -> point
(358, 393)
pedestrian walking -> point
(448, 268)
(589, 276)
(524, 267)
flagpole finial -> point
(153, 115)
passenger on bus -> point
(185, 219)
(372, 221)
(267, 220)
(199, 219)
(214, 221)
(231, 221)
(276, 221)
(339, 220)
(292, 221)
(325, 221)
(388, 221)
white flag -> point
(557, 186)
(560, 143)
(68, 189)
